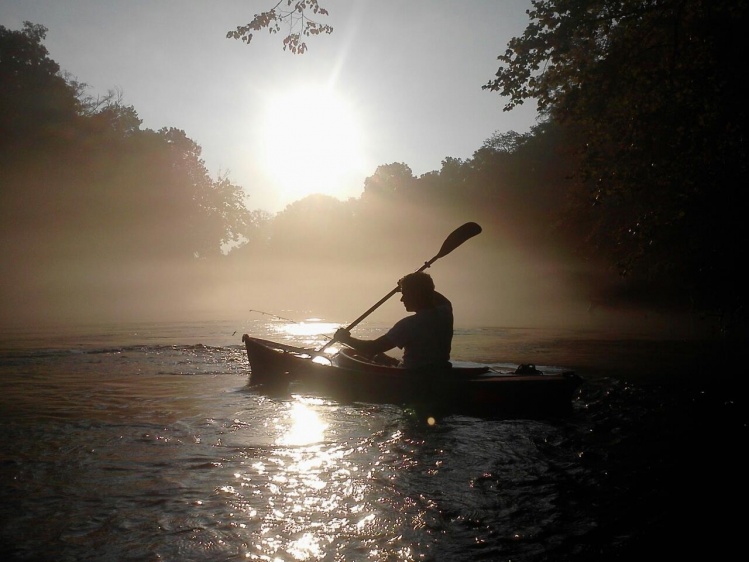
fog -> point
(105, 221)
(490, 285)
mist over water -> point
(488, 286)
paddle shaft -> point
(455, 239)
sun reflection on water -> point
(305, 548)
(308, 335)
(306, 426)
(310, 327)
(313, 496)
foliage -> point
(35, 98)
(88, 198)
(389, 181)
(294, 18)
(651, 92)
(101, 167)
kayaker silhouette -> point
(425, 336)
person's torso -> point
(425, 337)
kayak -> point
(348, 376)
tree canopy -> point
(85, 193)
(650, 90)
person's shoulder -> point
(400, 324)
(441, 300)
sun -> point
(312, 143)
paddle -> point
(455, 239)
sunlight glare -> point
(311, 328)
(306, 426)
(312, 143)
(311, 333)
(305, 548)
(366, 520)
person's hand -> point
(342, 335)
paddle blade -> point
(457, 237)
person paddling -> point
(425, 337)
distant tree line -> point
(634, 170)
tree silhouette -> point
(87, 195)
(650, 92)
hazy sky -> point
(396, 81)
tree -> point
(35, 100)
(650, 90)
(296, 20)
(314, 228)
(158, 181)
(389, 179)
(94, 210)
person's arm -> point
(369, 347)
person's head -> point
(417, 291)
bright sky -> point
(396, 81)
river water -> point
(146, 443)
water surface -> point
(146, 443)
